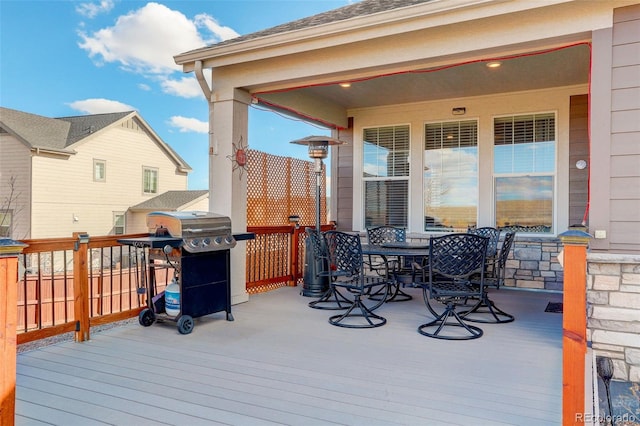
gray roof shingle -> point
(170, 200)
(54, 133)
(363, 8)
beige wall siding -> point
(625, 131)
(65, 189)
(342, 183)
(578, 150)
(15, 162)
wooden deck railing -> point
(72, 284)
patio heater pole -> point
(318, 169)
(316, 284)
(318, 151)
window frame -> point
(156, 172)
(4, 214)
(116, 215)
(96, 163)
(365, 180)
(554, 175)
(442, 123)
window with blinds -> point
(524, 172)
(450, 175)
(386, 175)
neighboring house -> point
(456, 113)
(81, 173)
(170, 201)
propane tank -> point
(172, 298)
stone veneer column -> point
(613, 296)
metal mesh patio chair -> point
(494, 237)
(452, 260)
(400, 268)
(331, 299)
(493, 278)
(346, 269)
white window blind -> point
(524, 172)
(386, 175)
(450, 175)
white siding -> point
(15, 162)
(64, 189)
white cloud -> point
(186, 124)
(144, 87)
(100, 106)
(145, 40)
(91, 10)
(219, 32)
(185, 87)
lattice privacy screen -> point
(278, 187)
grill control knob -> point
(218, 240)
(206, 241)
(228, 239)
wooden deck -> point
(280, 362)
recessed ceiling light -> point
(345, 84)
(494, 64)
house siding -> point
(625, 132)
(342, 196)
(15, 162)
(64, 188)
(578, 150)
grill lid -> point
(200, 231)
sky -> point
(63, 58)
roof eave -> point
(354, 29)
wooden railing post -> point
(574, 325)
(295, 250)
(9, 251)
(81, 286)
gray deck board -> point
(281, 362)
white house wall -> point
(484, 109)
(15, 163)
(65, 189)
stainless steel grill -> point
(200, 231)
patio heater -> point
(316, 283)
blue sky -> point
(64, 58)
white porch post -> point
(228, 127)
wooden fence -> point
(71, 284)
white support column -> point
(228, 128)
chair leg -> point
(361, 311)
(449, 318)
(394, 294)
(486, 306)
(331, 300)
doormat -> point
(554, 307)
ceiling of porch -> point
(562, 67)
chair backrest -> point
(502, 257)
(457, 256)
(385, 234)
(492, 233)
(345, 253)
